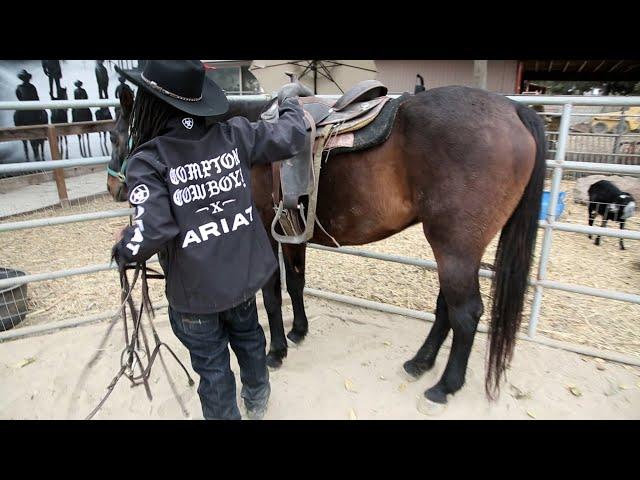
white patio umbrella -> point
(324, 77)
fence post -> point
(57, 173)
(563, 135)
(619, 129)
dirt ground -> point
(596, 322)
(347, 368)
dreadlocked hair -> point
(148, 117)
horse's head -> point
(117, 167)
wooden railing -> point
(51, 132)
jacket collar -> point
(187, 127)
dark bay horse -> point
(463, 162)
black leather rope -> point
(130, 357)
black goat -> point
(613, 204)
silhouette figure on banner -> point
(54, 72)
(26, 91)
(104, 114)
(102, 76)
(60, 115)
(82, 115)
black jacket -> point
(192, 191)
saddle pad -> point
(352, 111)
(371, 135)
(342, 140)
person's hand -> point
(292, 90)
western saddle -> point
(332, 124)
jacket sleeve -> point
(272, 142)
(153, 222)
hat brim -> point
(213, 102)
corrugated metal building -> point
(400, 75)
(501, 76)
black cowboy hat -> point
(24, 75)
(182, 84)
(77, 83)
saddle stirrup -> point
(297, 236)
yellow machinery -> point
(611, 122)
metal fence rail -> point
(559, 164)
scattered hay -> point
(596, 322)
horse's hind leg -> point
(424, 360)
(88, 144)
(460, 288)
(66, 147)
(294, 261)
(459, 305)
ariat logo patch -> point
(188, 123)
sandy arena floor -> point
(346, 369)
(600, 323)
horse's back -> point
(466, 121)
(456, 104)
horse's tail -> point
(513, 261)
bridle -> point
(130, 358)
(122, 174)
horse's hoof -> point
(430, 408)
(411, 372)
(296, 337)
(274, 360)
(436, 394)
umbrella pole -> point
(315, 78)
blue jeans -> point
(207, 336)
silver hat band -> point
(157, 87)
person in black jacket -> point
(191, 187)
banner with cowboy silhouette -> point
(44, 80)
